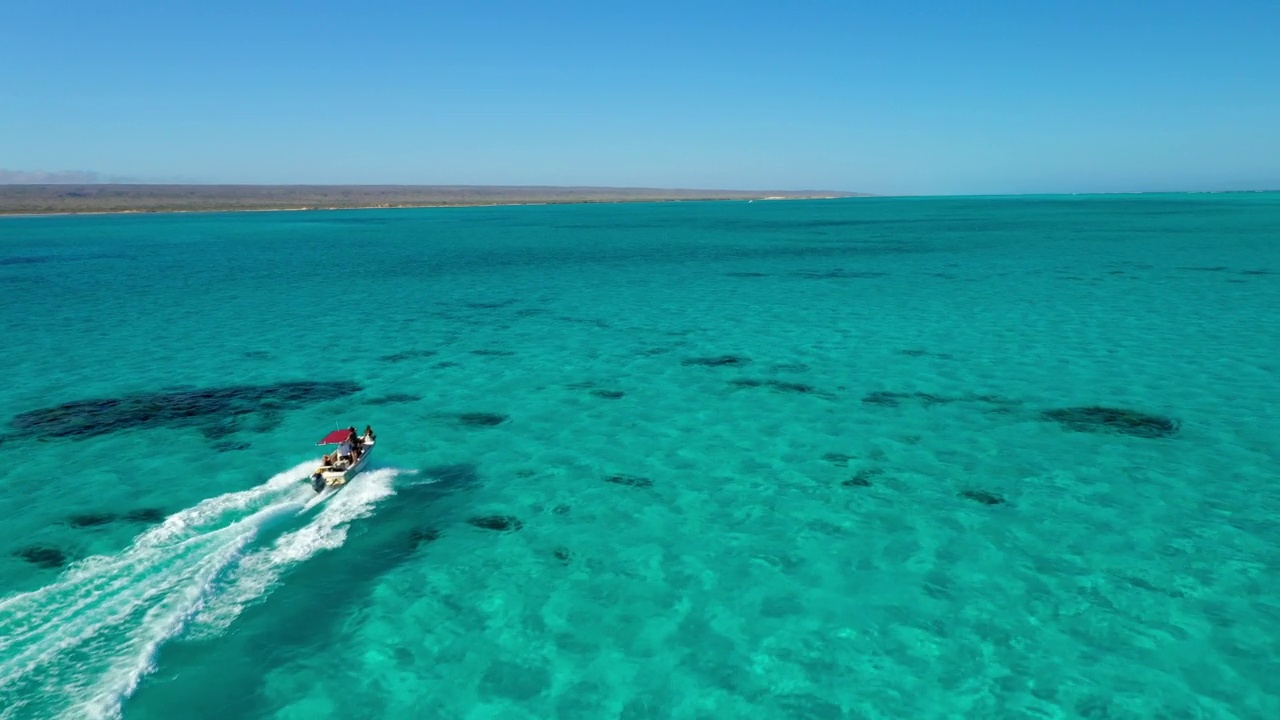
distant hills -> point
(93, 197)
(13, 177)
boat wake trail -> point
(79, 647)
(251, 579)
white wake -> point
(79, 647)
(257, 572)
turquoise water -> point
(822, 459)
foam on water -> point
(80, 645)
(257, 572)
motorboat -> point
(352, 455)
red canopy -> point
(335, 437)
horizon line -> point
(647, 188)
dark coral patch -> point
(45, 557)
(407, 355)
(501, 523)
(894, 399)
(862, 478)
(258, 355)
(229, 446)
(982, 496)
(481, 419)
(180, 408)
(560, 510)
(267, 420)
(27, 259)
(526, 473)
(836, 458)
(791, 367)
(650, 352)
(444, 364)
(783, 386)
(1256, 272)
(491, 305)
(747, 274)
(562, 554)
(393, 399)
(839, 274)
(629, 481)
(1113, 420)
(717, 361)
(423, 536)
(882, 397)
(1216, 268)
(778, 385)
(608, 394)
(145, 515)
(85, 520)
(930, 399)
(991, 399)
(587, 321)
(219, 429)
(493, 353)
(917, 352)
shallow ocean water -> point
(681, 460)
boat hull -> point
(329, 477)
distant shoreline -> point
(121, 199)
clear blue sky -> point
(888, 97)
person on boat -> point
(346, 449)
(368, 438)
(354, 440)
(326, 462)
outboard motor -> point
(317, 482)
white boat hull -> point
(331, 477)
